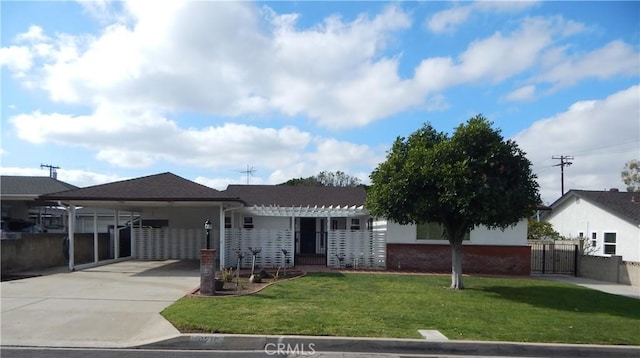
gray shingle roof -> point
(158, 187)
(287, 195)
(625, 205)
(31, 186)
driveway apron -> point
(116, 305)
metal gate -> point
(554, 258)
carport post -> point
(222, 238)
(116, 236)
(95, 235)
(72, 228)
(133, 246)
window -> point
(248, 222)
(433, 231)
(227, 222)
(355, 224)
(610, 243)
(594, 239)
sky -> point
(207, 89)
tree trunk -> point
(456, 266)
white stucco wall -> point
(513, 236)
(577, 216)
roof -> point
(299, 195)
(158, 187)
(625, 205)
(11, 185)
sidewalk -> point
(608, 287)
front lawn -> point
(388, 305)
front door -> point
(307, 236)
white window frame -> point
(613, 244)
(247, 222)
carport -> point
(177, 207)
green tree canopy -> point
(473, 177)
(541, 230)
(326, 178)
(631, 175)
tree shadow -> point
(568, 298)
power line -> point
(564, 161)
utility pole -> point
(52, 170)
(564, 161)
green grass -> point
(380, 305)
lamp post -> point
(207, 227)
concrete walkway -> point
(116, 305)
(609, 287)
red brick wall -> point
(483, 259)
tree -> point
(473, 177)
(325, 178)
(631, 175)
(541, 230)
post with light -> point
(207, 264)
(207, 229)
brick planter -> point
(207, 271)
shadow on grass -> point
(326, 274)
(570, 299)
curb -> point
(307, 345)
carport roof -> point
(13, 185)
(159, 187)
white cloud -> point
(492, 59)
(192, 56)
(447, 21)
(17, 59)
(133, 139)
(523, 93)
(613, 59)
(238, 59)
(80, 178)
(600, 134)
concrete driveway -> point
(116, 305)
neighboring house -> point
(290, 225)
(610, 220)
(22, 208)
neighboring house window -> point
(594, 239)
(433, 231)
(248, 222)
(227, 222)
(610, 243)
(355, 224)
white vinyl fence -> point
(170, 243)
(270, 242)
(360, 249)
